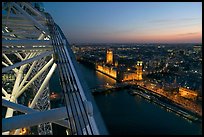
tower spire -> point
(109, 56)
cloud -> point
(188, 34)
(161, 21)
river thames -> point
(125, 114)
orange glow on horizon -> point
(190, 35)
(179, 37)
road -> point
(185, 103)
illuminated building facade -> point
(108, 68)
(133, 76)
(110, 71)
(129, 76)
(139, 70)
(109, 57)
(114, 72)
(116, 63)
(187, 93)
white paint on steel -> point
(30, 17)
(27, 42)
(44, 84)
(5, 69)
(33, 119)
(28, 110)
(35, 77)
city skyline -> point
(127, 22)
(52, 85)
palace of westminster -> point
(111, 69)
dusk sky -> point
(155, 22)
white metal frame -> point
(28, 55)
(24, 69)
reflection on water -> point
(105, 79)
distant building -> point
(197, 48)
(187, 93)
(108, 68)
(139, 70)
(110, 71)
(109, 57)
(129, 76)
(170, 88)
(116, 63)
(134, 75)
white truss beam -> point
(26, 49)
(5, 69)
(17, 107)
(35, 77)
(41, 36)
(20, 23)
(19, 77)
(9, 37)
(4, 92)
(31, 55)
(26, 43)
(9, 112)
(43, 86)
(8, 13)
(7, 59)
(42, 28)
(19, 18)
(27, 74)
(3, 63)
(16, 32)
(19, 56)
(5, 98)
(33, 10)
(33, 119)
(28, 110)
(15, 69)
